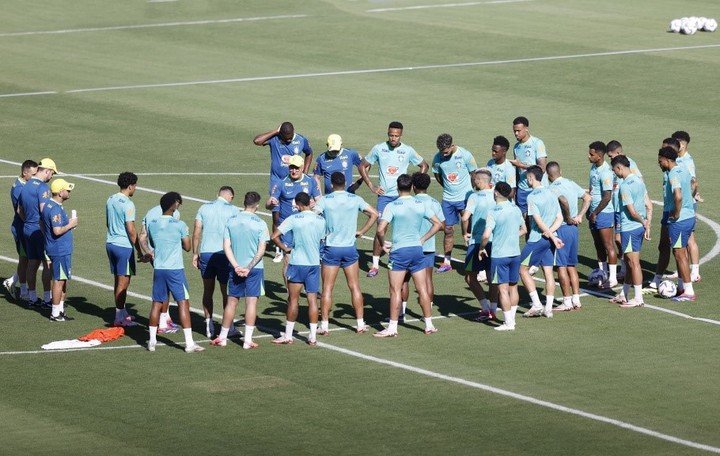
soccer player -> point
(566, 259)
(505, 224)
(17, 284)
(634, 227)
(283, 193)
(208, 254)
(57, 229)
(528, 151)
(284, 143)
(681, 217)
(340, 209)
(501, 168)
(686, 160)
(479, 206)
(337, 159)
(545, 218)
(405, 215)
(119, 242)
(244, 244)
(601, 214)
(168, 238)
(393, 159)
(33, 197)
(452, 166)
(307, 230)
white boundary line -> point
(375, 70)
(443, 5)
(160, 24)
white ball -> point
(693, 20)
(675, 25)
(689, 29)
(597, 277)
(710, 25)
(667, 289)
(701, 22)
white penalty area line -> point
(156, 25)
(443, 5)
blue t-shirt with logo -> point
(602, 180)
(308, 229)
(543, 202)
(214, 217)
(679, 178)
(54, 215)
(34, 193)
(286, 190)
(246, 231)
(280, 154)
(479, 205)
(340, 210)
(455, 173)
(434, 206)
(166, 235)
(344, 162)
(503, 172)
(405, 216)
(504, 221)
(632, 192)
(528, 153)
(392, 162)
(571, 191)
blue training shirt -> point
(601, 180)
(455, 173)
(392, 162)
(280, 154)
(405, 216)
(166, 235)
(528, 153)
(340, 210)
(479, 205)
(214, 217)
(344, 162)
(308, 229)
(543, 202)
(434, 206)
(503, 172)
(505, 221)
(119, 209)
(246, 231)
(286, 190)
(54, 215)
(34, 193)
(679, 178)
(571, 191)
(632, 192)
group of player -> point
(315, 231)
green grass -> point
(645, 367)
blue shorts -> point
(34, 243)
(680, 232)
(309, 276)
(429, 259)
(288, 239)
(618, 218)
(603, 220)
(664, 221)
(521, 199)
(339, 256)
(475, 264)
(451, 210)
(411, 259)
(382, 201)
(122, 260)
(169, 281)
(631, 241)
(538, 253)
(17, 232)
(251, 286)
(214, 265)
(505, 270)
(61, 267)
(568, 255)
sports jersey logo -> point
(459, 165)
(453, 177)
(56, 218)
(296, 150)
(527, 152)
(344, 164)
(392, 170)
(285, 159)
(46, 194)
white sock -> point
(485, 303)
(510, 316)
(626, 290)
(657, 279)
(376, 261)
(493, 307)
(688, 287)
(613, 272)
(694, 269)
(567, 301)
(277, 250)
(448, 258)
(62, 306)
(23, 289)
(189, 342)
(153, 334)
(289, 326)
(549, 303)
(224, 333)
(638, 292)
(313, 331)
(392, 326)
(601, 265)
(47, 296)
(535, 298)
(576, 299)
(248, 334)
(428, 323)
(32, 295)
(163, 319)
(360, 323)
(324, 325)
(404, 307)
(56, 310)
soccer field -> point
(175, 91)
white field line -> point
(160, 24)
(524, 398)
(385, 70)
(27, 94)
(709, 256)
(443, 5)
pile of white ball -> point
(692, 24)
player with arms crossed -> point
(17, 284)
(601, 214)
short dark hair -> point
(672, 142)
(681, 136)
(444, 141)
(337, 178)
(287, 129)
(302, 198)
(396, 124)
(251, 199)
(536, 172)
(503, 188)
(669, 153)
(521, 120)
(27, 164)
(227, 188)
(502, 142)
(168, 199)
(551, 165)
(598, 146)
(613, 145)
(620, 160)
(404, 182)
(126, 179)
(420, 181)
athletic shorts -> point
(251, 286)
(505, 270)
(309, 276)
(382, 201)
(665, 218)
(475, 264)
(521, 199)
(411, 259)
(339, 256)
(122, 260)
(429, 259)
(568, 255)
(61, 267)
(170, 281)
(631, 241)
(214, 265)
(680, 232)
(451, 210)
(288, 239)
(602, 221)
(17, 232)
(618, 220)
(538, 253)
(34, 243)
